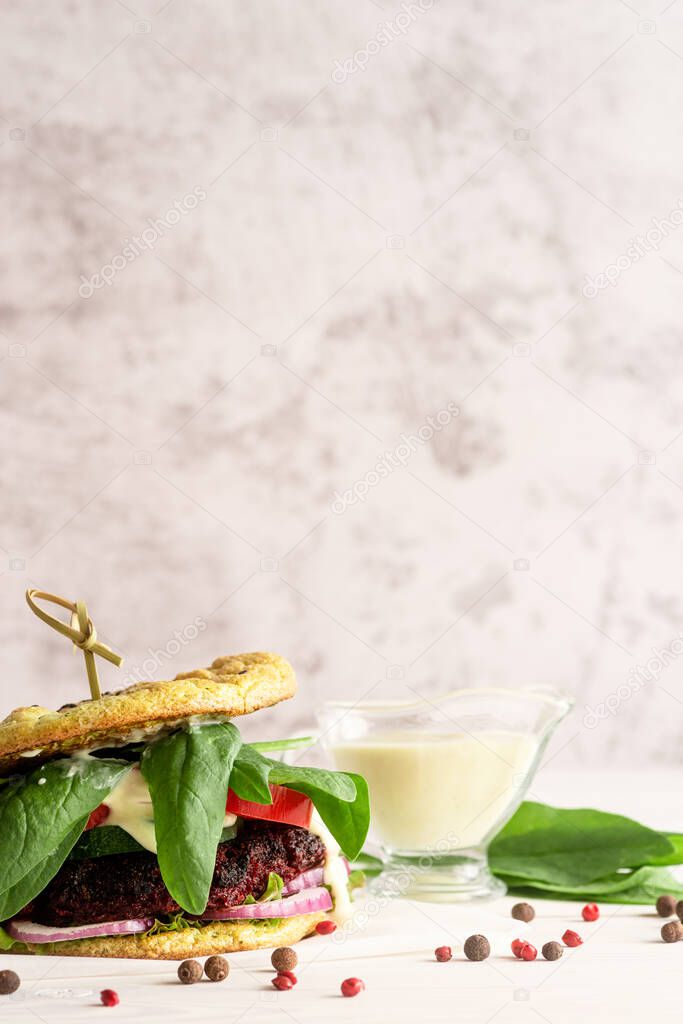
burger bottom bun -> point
(210, 938)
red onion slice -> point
(28, 931)
(312, 877)
(308, 901)
(306, 880)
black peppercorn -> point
(216, 968)
(9, 982)
(190, 971)
(552, 951)
(523, 912)
(477, 947)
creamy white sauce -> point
(335, 874)
(130, 807)
(429, 791)
(192, 722)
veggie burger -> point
(141, 825)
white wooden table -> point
(622, 972)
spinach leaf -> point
(188, 774)
(34, 881)
(249, 779)
(571, 847)
(339, 785)
(675, 856)
(341, 799)
(641, 886)
(291, 744)
(41, 817)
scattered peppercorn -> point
(325, 927)
(552, 951)
(679, 910)
(672, 931)
(591, 912)
(284, 959)
(443, 953)
(571, 938)
(477, 947)
(666, 906)
(216, 968)
(282, 982)
(288, 974)
(352, 987)
(523, 912)
(529, 952)
(108, 997)
(517, 947)
(189, 971)
(9, 983)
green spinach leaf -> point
(569, 848)
(34, 881)
(341, 799)
(188, 774)
(249, 778)
(42, 816)
(641, 886)
(675, 855)
(295, 743)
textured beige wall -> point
(362, 225)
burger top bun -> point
(234, 685)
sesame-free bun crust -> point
(211, 937)
(233, 685)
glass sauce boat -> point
(444, 776)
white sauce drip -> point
(130, 807)
(335, 874)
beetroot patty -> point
(129, 885)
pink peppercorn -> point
(591, 912)
(352, 987)
(517, 947)
(443, 953)
(528, 952)
(571, 938)
(325, 927)
(108, 997)
(282, 982)
(288, 974)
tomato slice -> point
(288, 806)
(96, 818)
